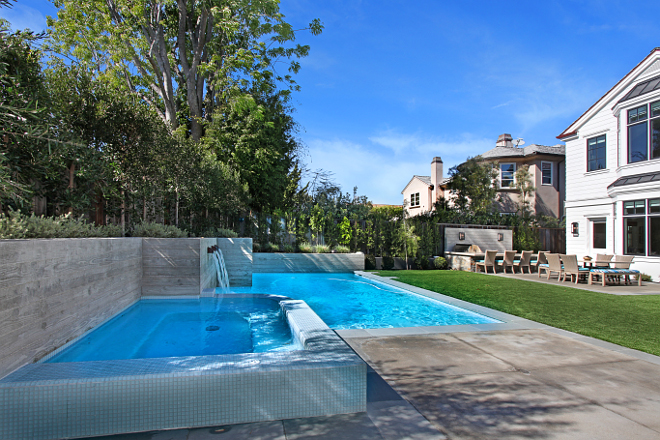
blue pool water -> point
(348, 301)
(186, 327)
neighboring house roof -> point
(572, 129)
(502, 152)
(637, 178)
(424, 179)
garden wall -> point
(54, 290)
(290, 263)
(486, 239)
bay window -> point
(641, 227)
(644, 132)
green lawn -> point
(632, 321)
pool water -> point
(348, 301)
(186, 327)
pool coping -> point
(509, 322)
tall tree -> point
(184, 57)
(473, 186)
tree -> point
(186, 57)
(525, 188)
(345, 232)
(473, 186)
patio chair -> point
(509, 256)
(600, 259)
(524, 261)
(622, 262)
(489, 261)
(571, 267)
(540, 259)
(554, 265)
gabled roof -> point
(617, 88)
(502, 152)
(424, 179)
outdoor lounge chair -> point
(600, 259)
(540, 259)
(524, 261)
(509, 256)
(489, 260)
(571, 268)
(623, 262)
(554, 265)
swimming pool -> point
(348, 301)
(154, 328)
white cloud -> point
(24, 17)
(381, 173)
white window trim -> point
(552, 173)
(515, 168)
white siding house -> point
(613, 171)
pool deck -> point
(516, 380)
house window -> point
(507, 172)
(596, 153)
(546, 173)
(599, 235)
(644, 132)
(641, 225)
(414, 200)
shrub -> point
(305, 248)
(646, 277)
(322, 248)
(157, 230)
(17, 225)
(219, 233)
(288, 248)
(369, 262)
(342, 249)
(256, 246)
(440, 263)
(388, 263)
(271, 247)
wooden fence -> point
(552, 239)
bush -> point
(646, 277)
(288, 248)
(219, 233)
(157, 230)
(256, 246)
(440, 263)
(388, 263)
(305, 248)
(369, 262)
(17, 225)
(321, 248)
(342, 249)
(271, 247)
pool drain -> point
(212, 328)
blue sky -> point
(390, 84)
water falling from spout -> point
(221, 270)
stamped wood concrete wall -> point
(290, 263)
(486, 239)
(177, 266)
(52, 291)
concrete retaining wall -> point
(291, 263)
(238, 257)
(52, 291)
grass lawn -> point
(632, 321)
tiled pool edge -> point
(510, 322)
(51, 401)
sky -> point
(391, 84)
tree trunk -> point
(123, 214)
(176, 208)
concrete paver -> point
(345, 426)
(252, 431)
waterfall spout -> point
(221, 270)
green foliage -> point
(271, 247)
(342, 249)
(219, 232)
(388, 263)
(646, 277)
(321, 249)
(157, 230)
(440, 263)
(18, 225)
(256, 246)
(305, 248)
(474, 187)
(288, 248)
(316, 221)
(345, 232)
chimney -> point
(436, 178)
(504, 140)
